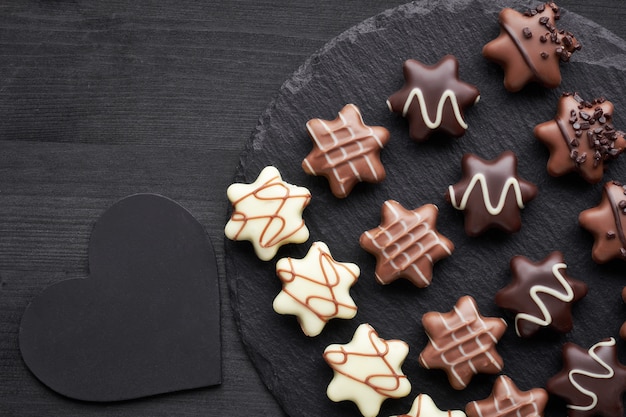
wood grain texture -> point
(99, 100)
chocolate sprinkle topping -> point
(527, 33)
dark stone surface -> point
(363, 66)
(147, 319)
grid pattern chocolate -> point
(506, 400)
(406, 244)
(462, 342)
(346, 151)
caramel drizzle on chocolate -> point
(415, 240)
(330, 280)
(588, 374)
(271, 218)
(388, 382)
(484, 188)
(566, 297)
(616, 214)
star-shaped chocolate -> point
(530, 48)
(268, 213)
(591, 381)
(424, 406)
(462, 342)
(508, 400)
(367, 370)
(433, 98)
(316, 288)
(606, 223)
(491, 194)
(346, 151)
(541, 294)
(581, 137)
(406, 244)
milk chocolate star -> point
(462, 342)
(345, 151)
(530, 47)
(508, 400)
(591, 381)
(606, 223)
(581, 137)
(491, 194)
(406, 244)
(541, 294)
(433, 98)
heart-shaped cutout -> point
(145, 322)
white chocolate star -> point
(268, 213)
(316, 288)
(367, 370)
(424, 406)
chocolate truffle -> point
(606, 223)
(530, 48)
(491, 194)
(346, 151)
(541, 294)
(406, 244)
(433, 98)
(591, 381)
(581, 137)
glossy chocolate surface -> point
(541, 294)
(433, 98)
(530, 47)
(491, 194)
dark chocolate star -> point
(508, 400)
(591, 381)
(530, 47)
(433, 98)
(581, 137)
(346, 151)
(491, 194)
(541, 294)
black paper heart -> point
(145, 322)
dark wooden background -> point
(99, 100)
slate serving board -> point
(364, 66)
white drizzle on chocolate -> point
(566, 297)
(608, 375)
(433, 124)
(482, 180)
